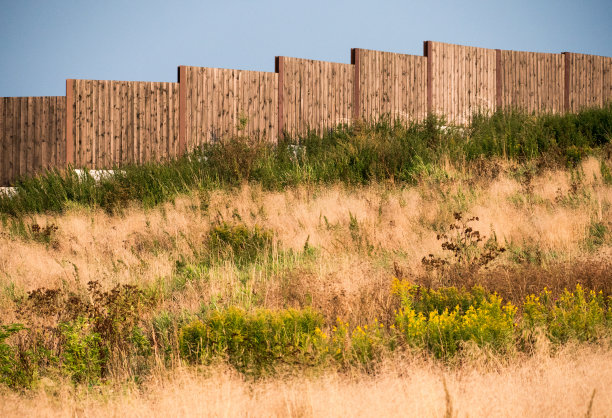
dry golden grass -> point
(399, 224)
(349, 277)
(542, 385)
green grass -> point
(358, 154)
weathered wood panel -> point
(463, 80)
(589, 80)
(316, 95)
(531, 81)
(390, 84)
(120, 122)
(32, 136)
(224, 103)
(607, 80)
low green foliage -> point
(597, 234)
(83, 354)
(238, 242)
(441, 320)
(362, 347)
(12, 370)
(253, 342)
(578, 314)
(357, 154)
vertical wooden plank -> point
(567, 92)
(121, 128)
(61, 132)
(104, 121)
(79, 123)
(13, 122)
(29, 135)
(98, 140)
(4, 177)
(133, 122)
(355, 60)
(197, 98)
(182, 110)
(209, 100)
(43, 135)
(70, 114)
(112, 119)
(9, 136)
(498, 79)
(91, 109)
(428, 53)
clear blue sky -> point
(45, 42)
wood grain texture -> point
(120, 122)
(32, 136)
(222, 103)
(462, 80)
(589, 83)
(391, 85)
(531, 82)
(317, 95)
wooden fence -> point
(313, 95)
(118, 122)
(101, 124)
(587, 81)
(530, 81)
(389, 84)
(32, 135)
(224, 103)
(461, 80)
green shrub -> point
(577, 314)
(441, 320)
(256, 342)
(425, 300)
(490, 325)
(83, 356)
(12, 372)
(362, 347)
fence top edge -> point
(314, 61)
(227, 69)
(123, 81)
(391, 53)
(32, 97)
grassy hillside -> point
(376, 260)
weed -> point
(240, 243)
(596, 236)
(255, 342)
(468, 247)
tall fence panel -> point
(587, 80)
(222, 103)
(461, 80)
(316, 95)
(32, 135)
(119, 122)
(607, 80)
(390, 84)
(530, 81)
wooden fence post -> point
(279, 67)
(498, 79)
(70, 104)
(427, 53)
(182, 80)
(355, 60)
(567, 88)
